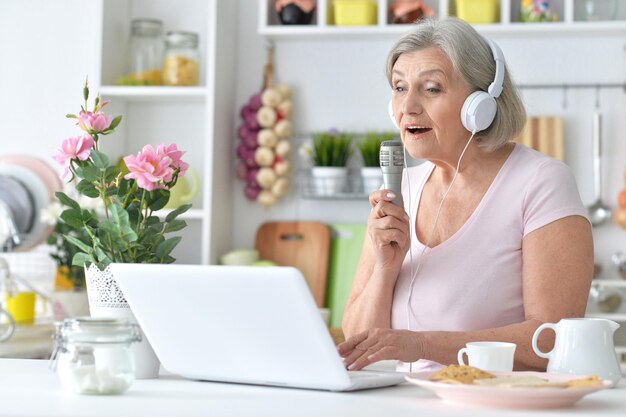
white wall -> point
(47, 48)
(340, 82)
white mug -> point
(489, 356)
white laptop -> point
(241, 324)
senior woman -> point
(496, 240)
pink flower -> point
(175, 155)
(94, 122)
(149, 169)
(78, 147)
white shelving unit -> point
(570, 15)
(197, 118)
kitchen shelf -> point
(615, 283)
(610, 316)
(570, 22)
(196, 118)
(191, 214)
(154, 94)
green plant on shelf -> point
(369, 147)
(331, 149)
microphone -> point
(392, 163)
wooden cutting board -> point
(303, 245)
(544, 134)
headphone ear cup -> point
(391, 116)
(478, 111)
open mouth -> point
(418, 129)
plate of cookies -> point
(467, 385)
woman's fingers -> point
(381, 195)
(347, 346)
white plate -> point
(518, 397)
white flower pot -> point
(372, 178)
(107, 300)
(329, 181)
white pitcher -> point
(582, 347)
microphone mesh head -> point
(391, 155)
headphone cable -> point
(432, 232)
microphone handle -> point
(393, 182)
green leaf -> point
(123, 187)
(88, 189)
(174, 226)
(168, 259)
(175, 213)
(158, 199)
(116, 121)
(167, 246)
(66, 201)
(111, 173)
(73, 218)
(78, 243)
(149, 221)
(102, 257)
(119, 217)
(71, 116)
(100, 160)
(82, 259)
(89, 173)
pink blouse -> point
(473, 280)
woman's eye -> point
(433, 90)
(398, 88)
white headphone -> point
(479, 108)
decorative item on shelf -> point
(620, 212)
(146, 53)
(128, 231)
(185, 189)
(600, 10)
(536, 11)
(607, 300)
(408, 11)
(355, 12)
(244, 257)
(619, 259)
(329, 153)
(477, 11)
(180, 62)
(369, 148)
(265, 147)
(295, 12)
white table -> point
(28, 388)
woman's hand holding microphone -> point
(389, 230)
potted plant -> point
(330, 153)
(369, 148)
(129, 229)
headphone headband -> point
(495, 88)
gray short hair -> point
(472, 58)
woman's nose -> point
(412, 103)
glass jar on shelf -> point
(146, 52)
(180, 63)
(94, 356)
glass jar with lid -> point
(146, 52)
(180, 64)
(94, 356)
